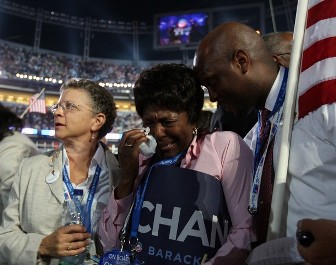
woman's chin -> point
(164, 154)
(167, 153)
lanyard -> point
(140, 194)
(69, 192)
(259, 157)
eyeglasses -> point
(68, 107)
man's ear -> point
(280, 60)
(100, 119)
(242, 59)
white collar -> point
(273, 94)
(97, 159)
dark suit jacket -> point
(223, 120)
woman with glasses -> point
(186, 202)
(70, 185)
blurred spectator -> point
(280, 45)
(14, 147)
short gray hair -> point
(102, 101)
(277, 43)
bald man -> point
(238, 69)
(280, 45)
(223, 63)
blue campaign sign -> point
(184, 217)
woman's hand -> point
(128, 152)
(65, 241)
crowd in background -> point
(17, 59)
(124, 121)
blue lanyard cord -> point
(86, 212)
(259, 156)
(140, 194)
(276, 110)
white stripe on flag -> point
(321, 30)
(317, 80)
(309, 78)
(313, 3)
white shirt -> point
(251, 137)
(102, 193)
(311, 179)
(312, 168)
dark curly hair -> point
(9, 122)
(171, 86)
(101, 100)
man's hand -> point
(322, 251)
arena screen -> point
(180, 30)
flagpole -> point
(26, 110)
(288, 118)
(272, 15)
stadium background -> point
(42, 43)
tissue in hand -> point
(148, 148)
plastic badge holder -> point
(71, 215)
(118, 257)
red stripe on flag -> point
(319, 51)
(318, 95)
(37, 103)
(324, 92)
(323, 10)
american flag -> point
(37, 103)
(317, 81)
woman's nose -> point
(157, 130)
(59, 111)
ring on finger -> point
(128, 144)
(69, 247)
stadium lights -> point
(45, 79)
(54, 81)
(47, 132)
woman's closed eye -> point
(168, 123)
(164, 123)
